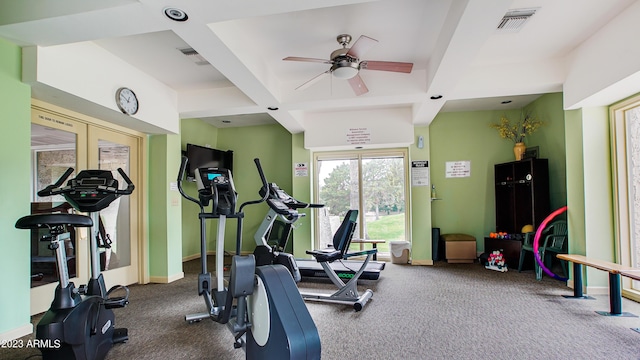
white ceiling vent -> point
(194, 56)
(515, 19)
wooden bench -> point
(374, 243)
(615, 286)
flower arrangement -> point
(519, 130)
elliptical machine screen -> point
(216, 184)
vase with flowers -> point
(517, 131)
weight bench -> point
(347, 292)
(615, 287)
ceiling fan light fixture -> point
(345, 69)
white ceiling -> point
(454, 46)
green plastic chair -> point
(555, 242)
(527, 245)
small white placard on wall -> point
(420, 173)
(301, 169)
(457, 169)
(173, 186)
(360, 135)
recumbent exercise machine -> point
(269, 319)
(285, 207)
(80, 323)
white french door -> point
(59, 141)
(109, 150)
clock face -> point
(127, 101)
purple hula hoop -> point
(536, 242)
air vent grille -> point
(194, 56)
(515, 19)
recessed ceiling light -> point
(436, 97)
(506, 102)
(175, 14)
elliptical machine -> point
(269, 319)
(75, 326)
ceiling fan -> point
(346, 63)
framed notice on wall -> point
(457, 169)
(420, 173)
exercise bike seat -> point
(36, 221)
(328, 255)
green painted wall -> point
(302, 190)
(598, 205)
(551, 141)
(165, 234)
(272, 145)
(467, 204)
(193, 131)
(15, 103)
(421, 205)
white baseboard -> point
(197, 256)
(166, 279)
(421, 262)
(17, 332)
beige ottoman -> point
(459, 248)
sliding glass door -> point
(625, 120)
(374, 183)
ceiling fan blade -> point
(361, 46)
(387, 66)
(358, 85)
(296, 58)
(313, 80)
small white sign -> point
(458, 169)
(358, 136)
(420, 173)
(173, 186)
(301, 169)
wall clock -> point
(127, 101)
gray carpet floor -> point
(446, 311)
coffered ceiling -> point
(455, 47)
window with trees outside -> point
(625, 136)
(372, 182)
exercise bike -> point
(269, 319)
(283, 210)
(80, 323)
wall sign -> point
(457, 169)
(420, 173)
(360, 135)
(301, 169)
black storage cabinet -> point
(522, 194)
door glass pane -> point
(115, 219)
(632, 118)
(338, 191)
(383, 197)
(54, 151)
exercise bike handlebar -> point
(129, 189)
(57, 188)
(54, 189)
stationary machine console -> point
(216, 184)
(91, 190)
